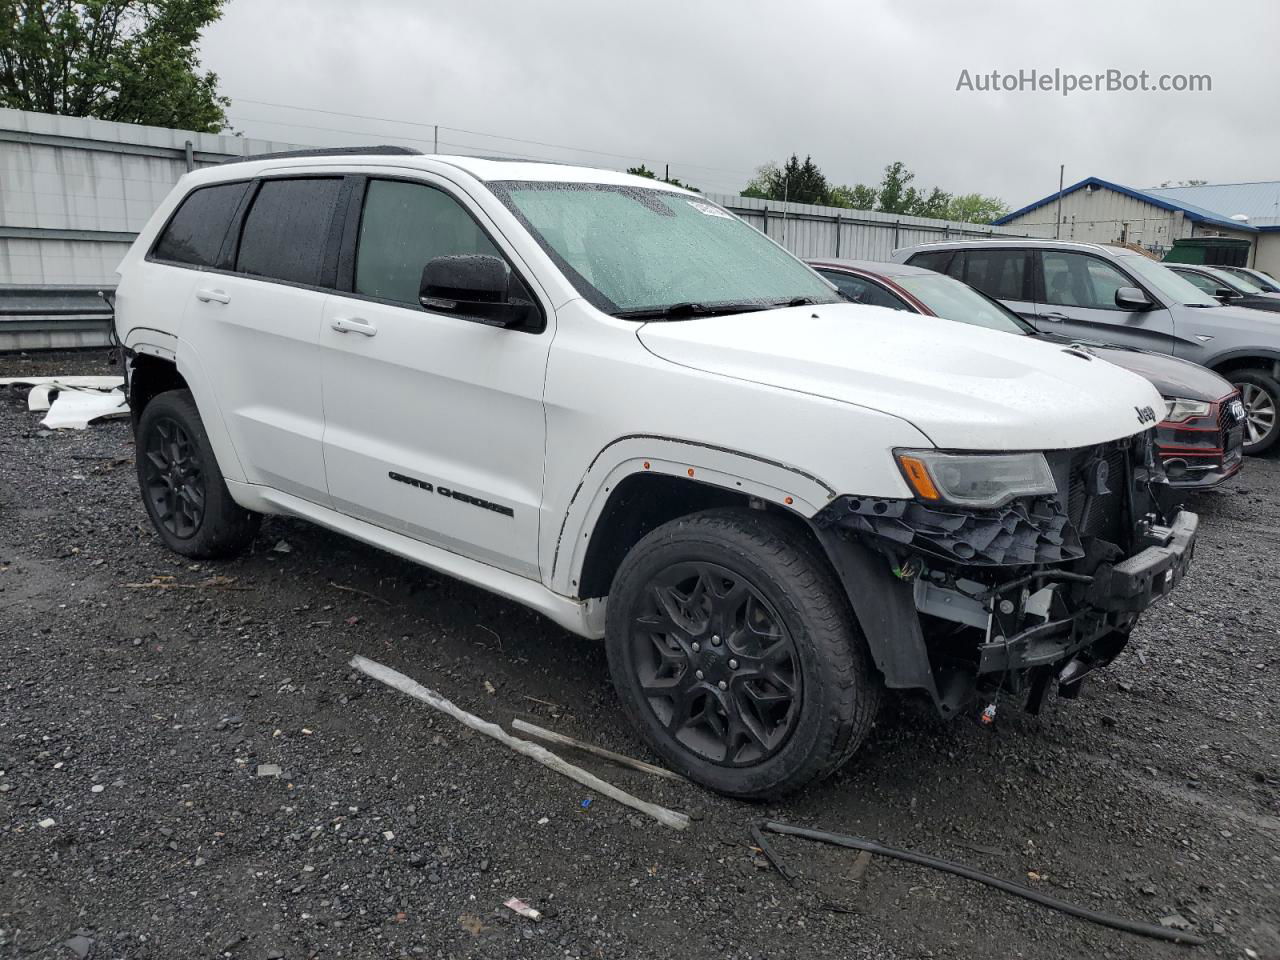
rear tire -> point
(1261, 396)
(786, 692)
(182, 488)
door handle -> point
(214, 296)
(1055, 317)
(354, 325)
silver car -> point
(1116, 295)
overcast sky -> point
(718, 87)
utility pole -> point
(435, 142)
(1057, 220)
(666, 172)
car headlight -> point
(1178, 410)
(975, 479)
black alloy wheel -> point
(174, 478)
(716, 664)
(183, 490)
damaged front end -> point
(968, 601)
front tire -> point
(1260, 394)
(182, 488)
(735, 654)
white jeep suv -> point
(613, 401)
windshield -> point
(1233, 281)
(949, 298)
(630, 249)
(1167, 282)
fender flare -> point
(788, 487)
(166, 346)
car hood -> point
(1171, 376)
(964, 387)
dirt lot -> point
(136, 717)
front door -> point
(1076, 298)
(434, 424)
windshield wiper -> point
(686, 309)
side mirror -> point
(1131, 298)
(475, 286)
(1226, 293)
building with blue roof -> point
(1100, 211)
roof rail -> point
(383, 150)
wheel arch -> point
(638, 483)
(157, 362)
(1250, 359)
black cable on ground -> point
(924, 860)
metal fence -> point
(75, 191)
(836, 232)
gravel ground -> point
(135, 722)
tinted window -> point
(1000, 274)
(196, 232)
(861, 290)
(930, 259)
(286, 229)
(403, 226)
(1078, 280)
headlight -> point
(975, 479)
(1177, 410)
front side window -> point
(1169, 283)
(861, 290)
(1233, 281)
(633, 250)
(1079, 280)
(402, 227)
(286, 229)
(195, 233)
(1200, 281)
(953, 300)
(997, 273)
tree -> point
(133, 61)
(1184, 183)
(795, 182)
(975, 208)
(857, 197)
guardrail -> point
(53, 317)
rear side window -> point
(403, 226)
(286, 229)
(195, 233)
(1000, 274)
(931, 260)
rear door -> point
(1076, 297)
(255, 327)
(434, 424)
